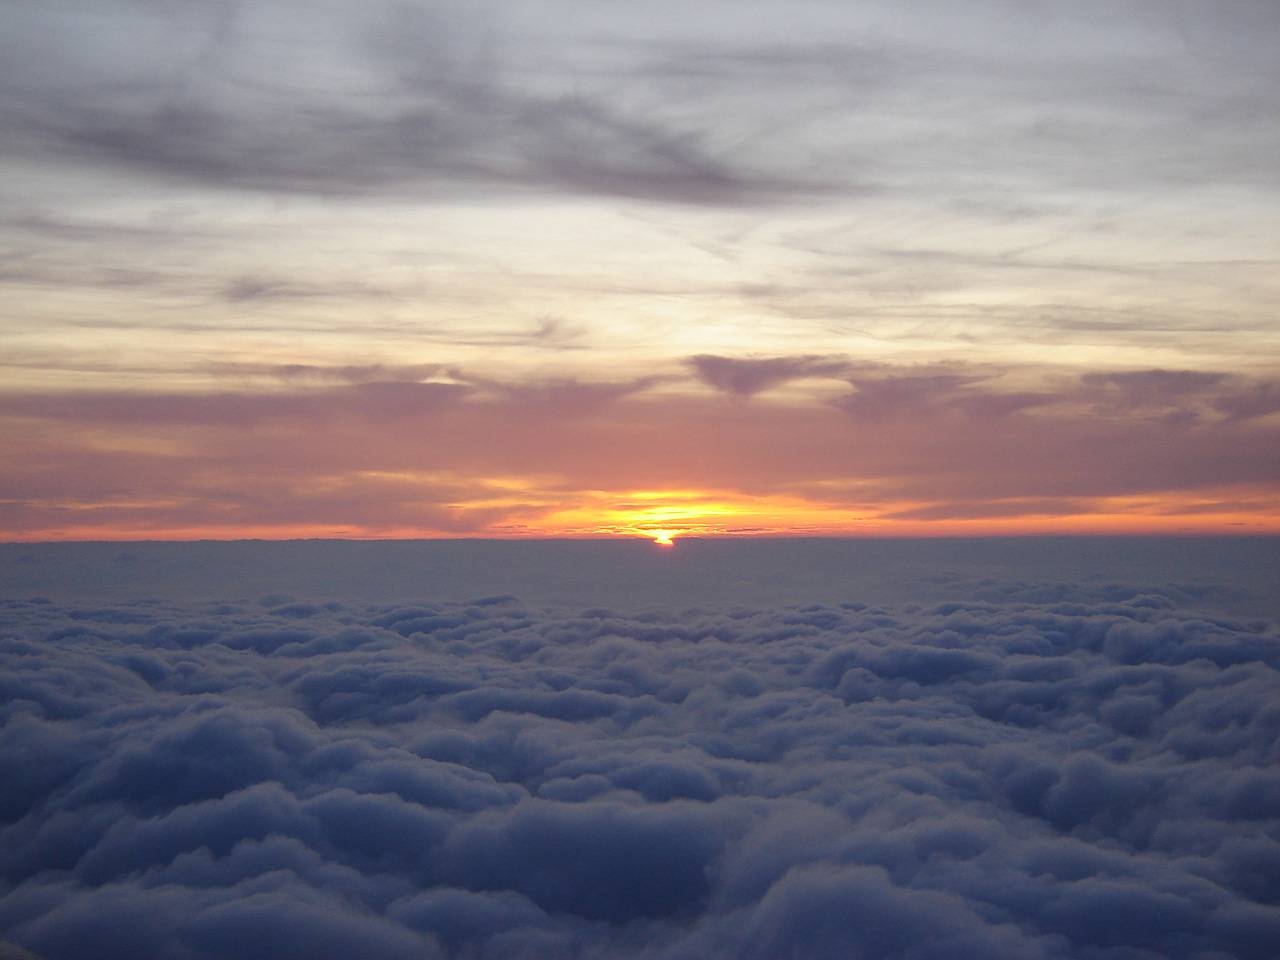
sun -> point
(663, 538)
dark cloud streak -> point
(431, 107)
(745, 377)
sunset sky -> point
(278, 269)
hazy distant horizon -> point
(1239, 571)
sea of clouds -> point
(1091, 775)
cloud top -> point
(1068, 780)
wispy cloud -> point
(363, 448)
(377, 99)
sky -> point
(556, 268)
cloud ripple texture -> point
(971, 781)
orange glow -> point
(501, 509)
(689, 513)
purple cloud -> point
(745, 377)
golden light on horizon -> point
(663, 515)
(507, 508)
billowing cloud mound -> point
(1083, 778)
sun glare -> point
(663, 538)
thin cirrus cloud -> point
(390, 95)
(398, 95)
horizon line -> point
(640, 538)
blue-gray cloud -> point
(1052, 771)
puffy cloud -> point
(1083, 775)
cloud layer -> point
(727, 445)
(1079, 778)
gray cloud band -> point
(677, 106)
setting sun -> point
(664, 538)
